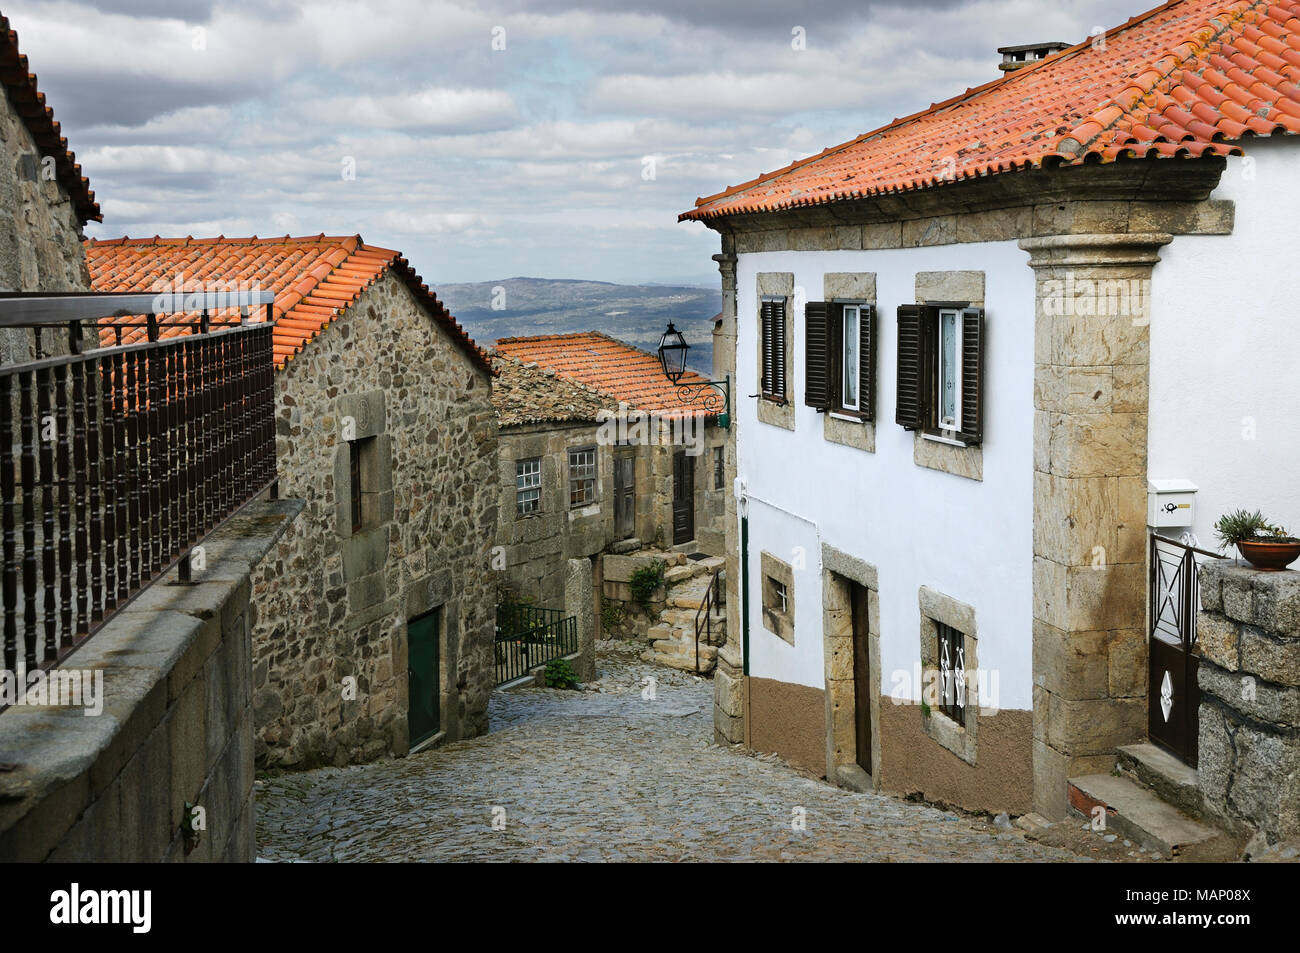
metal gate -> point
(1172, 694)
(527, 637)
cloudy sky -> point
(498, 138)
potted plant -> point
(1264, 545)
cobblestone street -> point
(606, 775)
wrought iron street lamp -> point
(672, 355)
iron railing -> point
(1175, 590)
(527, 636)
(704, 615)
(116, 462)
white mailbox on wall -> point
(1170, 503)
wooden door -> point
(624, 495)
(423, 712)
(683, 498)
(861, 676)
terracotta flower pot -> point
(1270, 557)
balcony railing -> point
(116, 462)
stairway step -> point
(1164, 774)
(1139, 815)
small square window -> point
(952, 672)
(528, 486)
(582, 476)
(778, 597)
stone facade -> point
(728, 675)
(536, 547)
(1090, 537)
(330, 647)
(40, 231)
(1248, 637)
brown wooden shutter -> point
(778, 350)
(765, 385)
(910, 402)
(972, 375)
(817, 351)
(867, 361)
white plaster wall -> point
(971, 540)
(1225, 348)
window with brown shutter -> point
(817, 350)
(840, 358)
(940, 385)
(773, 330)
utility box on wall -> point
(1170, 503)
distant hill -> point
(636, 314)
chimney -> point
(1014, 57)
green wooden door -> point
(422, 675)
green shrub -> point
(645, 581)
(612, 615)
(560, 674)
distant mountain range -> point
(635, 314)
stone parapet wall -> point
(175, 732)
(1248, 638)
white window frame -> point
(582, 473)
(528, 486)
(949, 426)
(857, 364)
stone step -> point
(1164, 775)
(1137, 814)
(679, 574)
(684, 663)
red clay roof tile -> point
(300, 272)
(606, 366)
(1189, 78)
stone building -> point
(982, 340)
(596, 447)
(374, 612)
(44, 199)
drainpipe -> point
(742, 505)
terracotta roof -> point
(605, 365)
(528, 394)
(314, 279)
(29, 103)
(1186, 79)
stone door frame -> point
(839, 570)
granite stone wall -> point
(1248, 636)
(40, 234)
(165, 771)
(535, 549)
(330, 647)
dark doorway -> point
(624, 495)
(861, 675)
(683, 498)
(422, 674)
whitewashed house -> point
(976, 335)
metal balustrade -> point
(115, 462)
